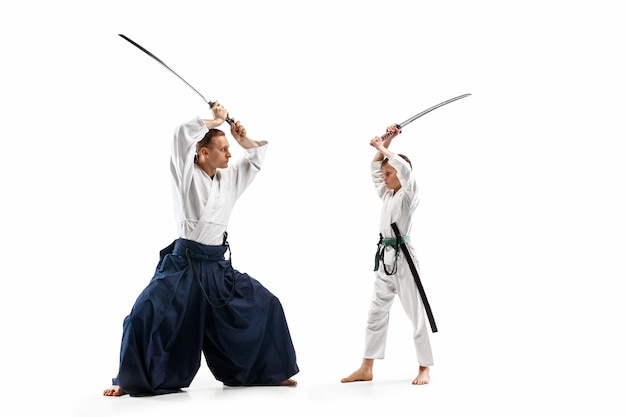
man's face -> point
(217, 154)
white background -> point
(520, 228)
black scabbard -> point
(416, 277)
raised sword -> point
(150, 54)
(420, 114)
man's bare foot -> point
(113, 391)
(361, 374)
(423, 377)
(288, 383)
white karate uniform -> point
(202, 204)
(399, 208)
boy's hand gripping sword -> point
(209, 102)
(420, 114)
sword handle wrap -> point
(388, 134)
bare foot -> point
(423, 377)
(113, 391)
(288, 383)
(364, 373)
(361, 374)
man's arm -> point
(219, 116)
(241, 136)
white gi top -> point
(397, 207)
(203, 205)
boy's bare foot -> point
(288, 383)
(364, 373)
(423, 377)
(113, 391)
(360, 374)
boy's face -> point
(390, 178)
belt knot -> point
(380, 250)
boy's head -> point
(389, 173)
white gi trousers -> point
(386, 287)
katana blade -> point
(428, 110)
(150, 54)
(420, 114)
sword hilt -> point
(387, 135)
(229, 120)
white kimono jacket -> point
(397, 207)
(203, 205)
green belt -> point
(388, 241)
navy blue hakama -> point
(242, 330)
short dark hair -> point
(206, 140)
(406, 158)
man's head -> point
(212, 151)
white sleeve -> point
(245, 169)
(377, 178)
(184, 149)
(406, 178)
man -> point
(196, 301)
